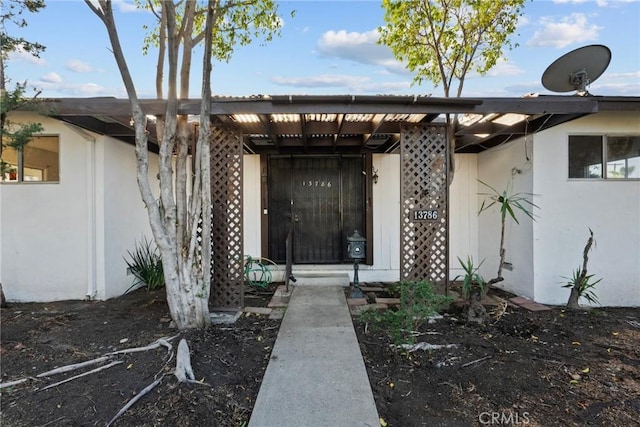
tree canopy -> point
(443, 40)
(16, 135)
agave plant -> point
(508, 204)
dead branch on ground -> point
(84, 374)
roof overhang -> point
(311, 124)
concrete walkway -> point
(316, 375)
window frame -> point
(21, 166)
(604, 151)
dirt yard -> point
(541, 369)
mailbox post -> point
(356, 251)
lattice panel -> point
(226, 229)
(424, 188)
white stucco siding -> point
(570, 207)
(463, 218)
(252, 213)
(124, 215)
(386, 221)
(508, 166)
(44, 241)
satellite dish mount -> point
(576, 70)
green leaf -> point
(440, 41)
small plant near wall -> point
(473, 287)
(146, 266)
(508, 205)
(582, 284)
(418, 302)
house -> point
(70, 216)
(325, 166)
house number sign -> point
(316, 184)
(424, 215)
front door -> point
(321, 199)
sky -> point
(327, 48)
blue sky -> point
(328, 48)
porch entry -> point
(321, 200)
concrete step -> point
(321, 279)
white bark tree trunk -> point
(172, 218)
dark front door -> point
(321, 199)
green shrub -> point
(146, 266)
(418, 302)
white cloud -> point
(601, 3)
(614, 89)
(352, 84)
(571, 1)
(617, 84)
(53, 82)
(358, 47)
(570, 29)
(126, 7)
(52, 78)
(19, 54)
(78, 66)
(326, 80)
(631, 75)
(504, 68)
(523, 21)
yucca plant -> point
(146, 266)
(473, 286)
(472, 280)
(508, 204)
(582, 284)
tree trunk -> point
(173, 226)
(476, 312)
(503, 251)
(574, 299)
(3, 301)
(574, 296)
(188, 303)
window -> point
(39, 160)
(604, 157)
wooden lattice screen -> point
(424, 204)
(226, 228)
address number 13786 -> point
(425, 215)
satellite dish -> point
(577, 69)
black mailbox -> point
(356, 246)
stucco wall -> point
(507, 167)
(251, 205)
(44, 240)
(386, 221)
(546, 251)
(67, 240)
(463, 220)
(570, 207)
(124, 216)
